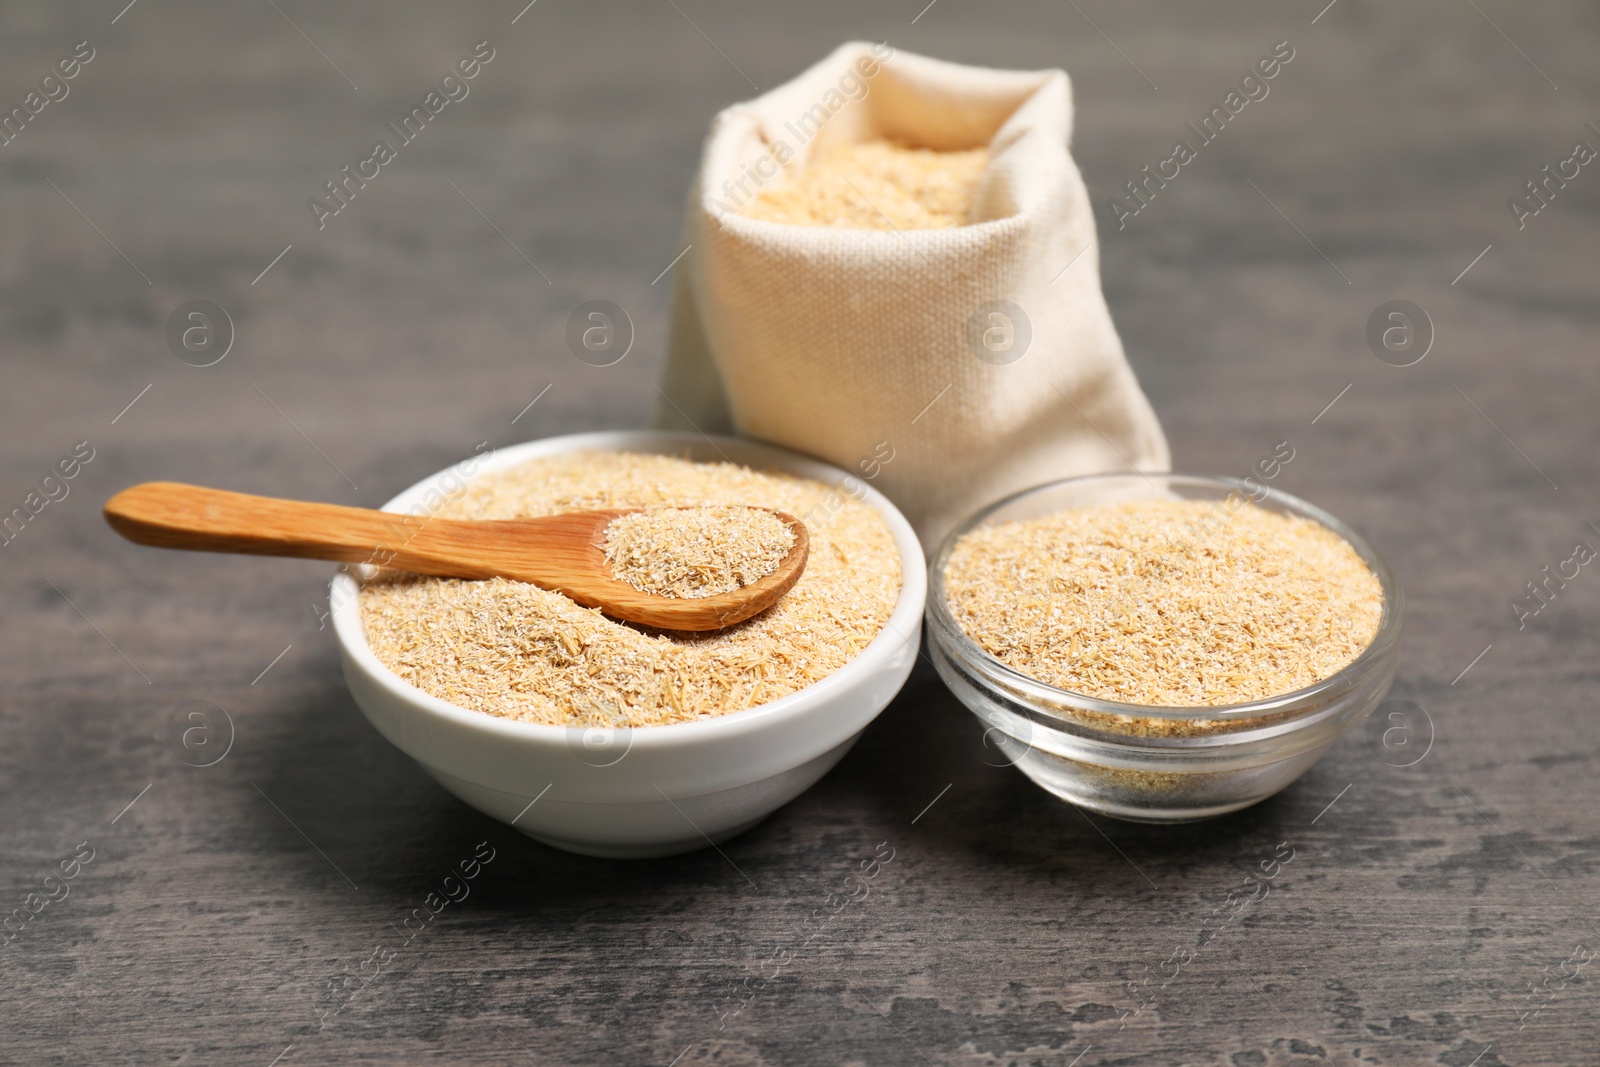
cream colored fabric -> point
(851, 345)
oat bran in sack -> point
(981, 359)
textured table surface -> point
(1439, 912)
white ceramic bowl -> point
(655, 790)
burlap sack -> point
(948, 367)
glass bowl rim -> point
(1048, 698)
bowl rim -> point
(905, 617)
(944, 628)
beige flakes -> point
(696, 552)
(514, 650)
(1128, 603)
(876, 185)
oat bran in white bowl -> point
(653, 789)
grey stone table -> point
(1437, 909)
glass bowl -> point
(1147, 763)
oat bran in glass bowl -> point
(1172, 761)
(649, 779)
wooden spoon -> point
(560, 552)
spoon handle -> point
(174, 515)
